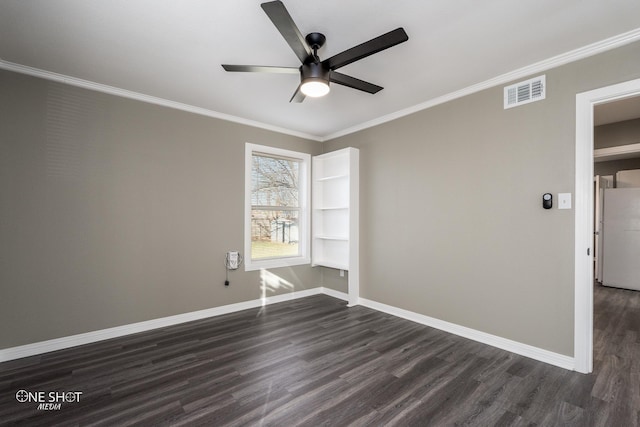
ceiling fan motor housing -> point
(314, 71)
(314, 79)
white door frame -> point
(584, 205)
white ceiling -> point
(173, 49)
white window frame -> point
(305, 209)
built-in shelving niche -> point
(335, 192)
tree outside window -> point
(275, 207)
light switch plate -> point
(564, 200)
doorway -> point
(584, 218)
(616, 141)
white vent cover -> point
(525, 92)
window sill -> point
(275, 263)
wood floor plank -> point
(314, 361)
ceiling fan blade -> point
(261, 69)
(352, 82)
(280, 17)
(298, 96)
(365, 49)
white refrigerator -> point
(621, 238)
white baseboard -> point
(526, 350)
(335, 294)
(34, 349)
(119, 331)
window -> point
(277, 217)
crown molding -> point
(545, 65)
(86, 84)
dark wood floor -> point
(316, 362)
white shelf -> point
(335, 214)
(331, 208)
(330, 264)
(616, 153)
(325, 237)
(330, 178)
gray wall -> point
(331, 279)
(613, 135)
(452, 225)
(613, 166)
(114, 211)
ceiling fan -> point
(315, 75)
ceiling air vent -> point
(525, 92)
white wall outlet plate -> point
(564, 200)
(232, 260)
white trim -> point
(526, 350)
(335, 294)
(547, 64)
(304, 230)
(119, 331)
(583, 321)
(98, 87)
(538, 67)
(545, 356)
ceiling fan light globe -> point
(315, 88)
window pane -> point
(277, 193)
(274, 181)
(274, 234)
